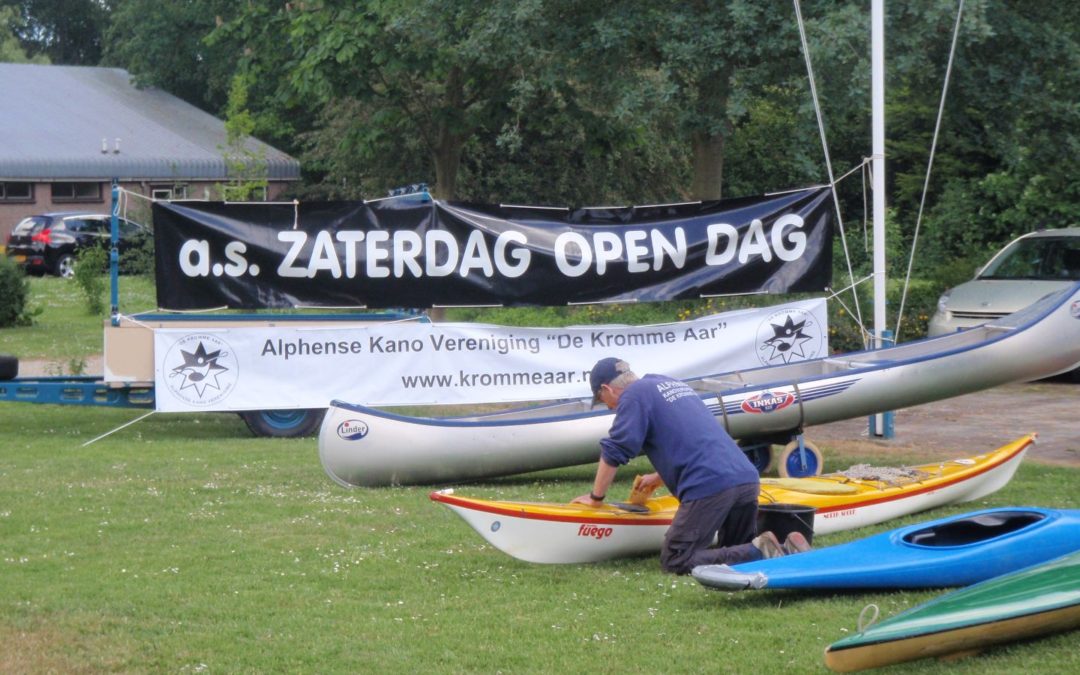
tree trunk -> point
(450, 136)
(447, 158)
(708, 153)
(450, 139)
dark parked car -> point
(52, 241)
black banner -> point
(411, 252)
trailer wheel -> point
(9, 367)
(283, 423)
(793, 464)
(759, 454)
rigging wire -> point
(825, 148)
(929, 167)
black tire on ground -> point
(9, 367)
(65, 266)
(283, 423)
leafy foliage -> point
(90, 277)
(11, 49)
(164, 44)
(567, 103)
(246, 167)
(14, 295)
(68, 32)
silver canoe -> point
(361, 446)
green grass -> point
(182, 544)
(65, 330)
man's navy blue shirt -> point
(666, 419)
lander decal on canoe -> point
(352, 430)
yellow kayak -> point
(860, 496)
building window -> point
(76, 192)
(16, 192)
(168, 191)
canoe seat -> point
(714, 384)
(838, 364)
(835, 365)
(974, 529)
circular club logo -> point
(1074, 309)
(200, 370)
(789, 335)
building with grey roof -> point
(68, 131)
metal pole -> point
(877, 84)
(877, 96)
(114, 254)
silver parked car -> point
(1024, 271)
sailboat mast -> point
(880, 424)
(877, 96)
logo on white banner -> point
(789, 335)
(201, 369)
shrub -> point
(139, 259)
(14, 295)
(88, 275)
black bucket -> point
(783, 519)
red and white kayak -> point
(573, 533)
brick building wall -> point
(18, 202)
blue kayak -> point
(954, 551)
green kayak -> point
(1040, 599)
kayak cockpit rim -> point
(975, 529)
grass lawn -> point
(183, 544)
(64, 331)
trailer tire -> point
(283, 423)
(760, 455)
(9, 367)
(791, 465)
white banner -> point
(414, 363)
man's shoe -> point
(796, 543)
(769, 545)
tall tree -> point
(67, 32)
(164, 44)
(1009, 135)
(1016, 92)
(695, 63)
(11, 50)
(437, 70)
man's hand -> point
(587, 500)
(649, 481)
(643, 488)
